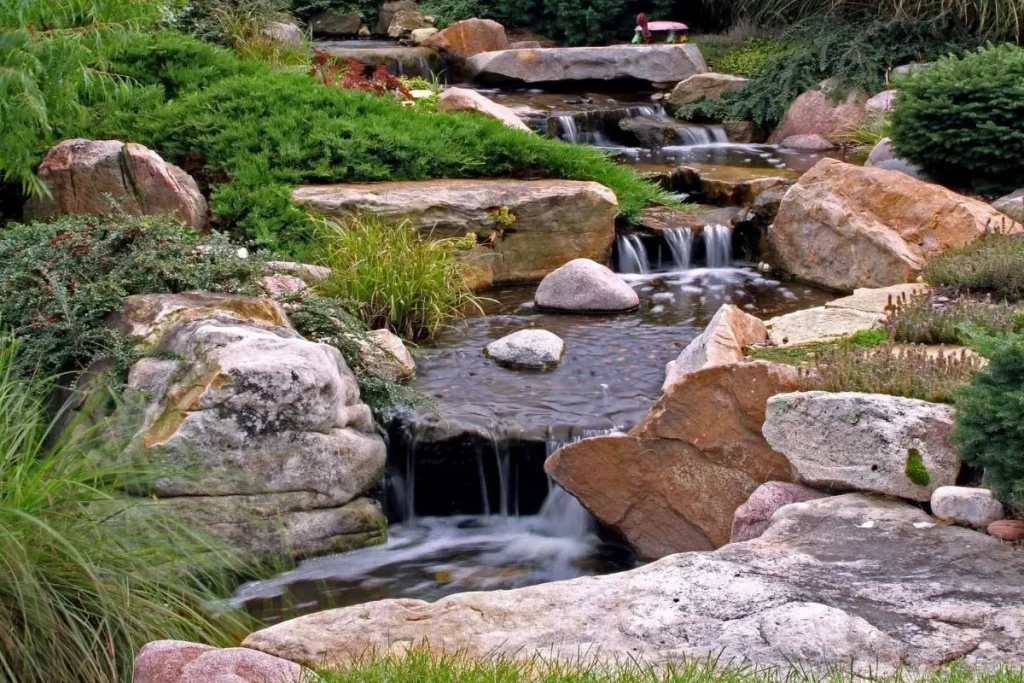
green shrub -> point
(962, 120)
(391, 277)
(922, 320)
(849, 55)
(750, 57)
(804, 354)
(989, 428)
(994, 263)
(327, 320)
(62, 278)
(87, 577)
(204, 19)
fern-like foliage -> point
(52, 65)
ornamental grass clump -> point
(920, 319)
(992, 264)
(87, 577)
(392, 277)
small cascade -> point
(718, 246)
(563, 516)
(702, 135)
(567, 129)
(680, 243)
(632, 255)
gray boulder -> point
(1012, 205)
(583, 285)
(532, 349)
(753, 517)
(903, 166)
(709, 86)
(646, 63)
(865, 442)
(857, 582)
(333, 23)
(275, 447)
(284, 33)
(388, 11)
(882, 151)
(883, 102)
(973, 507)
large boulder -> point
(585, 286)
(555, 221)
(852, 582)
(753, 517)
(816, 112)
(973, 507)
(1012, 205)
(275, 448)
(864, 442)
(530, 349)
(463, 39)
(96, 177)
(405, 21)
(706, 86)
(674, 482)
(644, 63)
(843, 226)
(414, 59)
(463, 99)
(882, 103)
(821, 323)
(389, 9)
(331, 22)
(721, 342)
(882, 151)
(177, 661)
(284, 33)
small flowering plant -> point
(354, 75)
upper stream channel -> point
(469, 505)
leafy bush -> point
(391, 277)
(62, 278)
(848, 55)
(87, 576)
(962, 120)
(747, 58)
(327, 320)
(992, 264)
(922, 320)
(989, 428)
(886, 369)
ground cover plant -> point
(961, 120)
(925, 319)
(88, 577)
(993, 264)
(419, 665)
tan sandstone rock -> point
(95, 177)
(176, 661)
(673, 483)
(855, 582)
(555, 221)
(843, 226)
(463, 39)
(721, 342)
(463, 99)
(709, 86)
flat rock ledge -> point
(846, 581)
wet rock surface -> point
(583, 285)
(530, 349)
(845, 581)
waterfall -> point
(718, 245)
(567, 129)
(632, 255)
(563, 516)
(680, 242)
(702, 135)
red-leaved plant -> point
(352, 76)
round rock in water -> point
(974, 507)
(533, 349)
(585, 286)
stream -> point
(469, 505)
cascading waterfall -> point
(680, 243)
(718, 246)
(632, 255)
(567, 129)
(702, 135)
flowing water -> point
(632, 255)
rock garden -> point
(397, 341)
